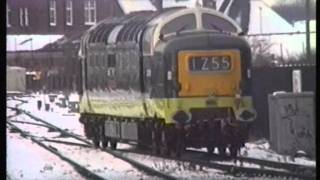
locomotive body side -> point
(189, 87)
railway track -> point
(87, 144)
(81, 169)
(266, 163)
(249, 171)
(268, 168)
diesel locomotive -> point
(167, 81)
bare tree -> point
(260, 50)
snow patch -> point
(29, 42)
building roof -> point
(264, 20)
(181, 3)
(129, 6)
(15, 68)
(30, 42)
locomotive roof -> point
(130, 27)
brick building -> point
(57, 16)
(43, 36)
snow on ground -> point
(185, 170)
(56, 115)
(26, 160)
(36, 130)
(105, 163)
(102, 163)
(261, 149)
(74, 97)
(99, 162)
(179, 169)
(10, 113)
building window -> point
(8, 16)
(53, 13)
(69, 14)
(26, 17)
(21, 16)
(90, 12)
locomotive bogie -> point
(211, 121)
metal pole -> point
(15, 51)
(15, 44)
(281, 52)
(260, 14)
(31, 51)
(308, 29)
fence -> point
(267, 80)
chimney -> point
(157, 4)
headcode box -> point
(292, 122)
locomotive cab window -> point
(178, 24)
(212, 22)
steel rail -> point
(53, 126)
(262, 162)
(31, 123)
(67, 143)
(82, 170)
(138, 165)
(231, 169)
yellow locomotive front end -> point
(213, 107)
(210, 105)
(216, 76)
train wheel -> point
(142, 135)
(155, 147)
(179, 144)
(210, 149)
(95, 142)
(178, 150)
(222, 151)
(113, 144)
(164, 148)
(154, 138)
(104, 143)
(233, 151)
